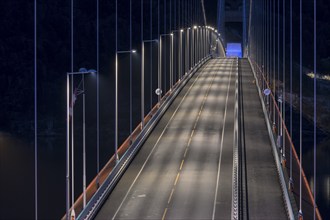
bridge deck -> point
(263, 189)
(184, 170)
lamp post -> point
(116, 101)
(82, 72)
(198, 45)
(194, 45)
(180, 53)
(142, 80)
(191, 47)
(171, 63)
(187, 50)
(159, 90)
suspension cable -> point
(204, 14)
(159, 54)
(142, 21)
(278, 67)
(291, 134)
(284, 79)
(314, 188)
(35, 114)
(98, 94)
(170, 15)
(151, 60)
(300, 107)
(165, 57)
(274, 61)
(130, 73)
(72, 113)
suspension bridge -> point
(212, 141)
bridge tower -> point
(232, 21)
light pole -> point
(171, 63)
(191, 47)
(194, 44)
(197, 45)
(82, 72)
(187, 50)
(180, 53)
(159, 90)
(116, 101)
(142, 80)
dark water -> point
(17, 175)
(17, 178)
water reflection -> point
(322, 174)
(17, 177)
(327, 190)
(16, 169)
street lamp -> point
(142, 80)
(159, 93)
(180, 50)
(187, 51)
(82, 72)
(195, 45)
(116, 101)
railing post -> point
(67, 148)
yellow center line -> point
(169, 199)
(186, 150)
(185, 153)
(177, 178)
(165, 211)
(189, 141)
(181, 164)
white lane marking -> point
(234, 196)
(161, 135)
(165, 211)
(221, 145)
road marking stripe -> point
(164, 215)
(181, 164)
(189, 141)
(221, 145)
(169, 199)
(185, 153)
(177, 178)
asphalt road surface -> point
(184, 169)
